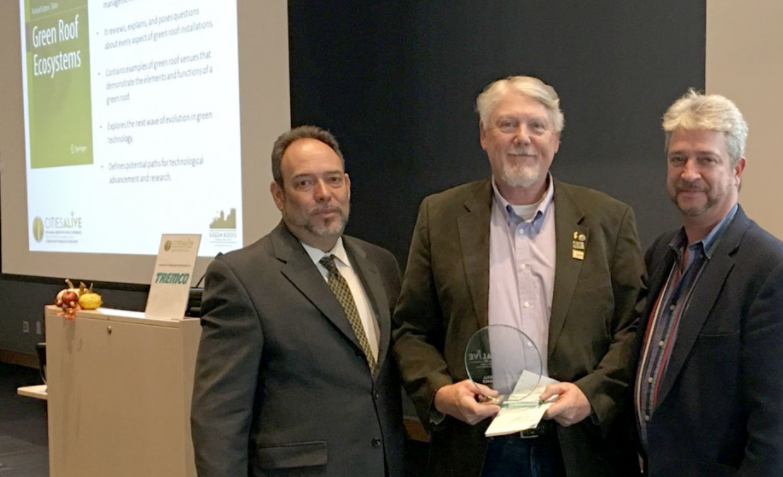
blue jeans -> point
(514, 456)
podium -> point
(119, 391)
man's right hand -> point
(463, 401)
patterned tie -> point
(343, 294)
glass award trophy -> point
(506, 360)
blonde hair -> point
(710, 112)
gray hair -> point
(301, 132)
(710, 112)
(526, 85)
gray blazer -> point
(282, 386)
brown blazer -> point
(444, 300)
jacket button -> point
(377, 395)
(376, 442)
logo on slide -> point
(38, 229)
(225, 221)
(167, 245)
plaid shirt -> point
(670, 305)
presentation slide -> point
(123, 120)
(132, 125)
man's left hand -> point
(570, 408)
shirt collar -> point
(338, 251)
(543, 206)
(708, 243)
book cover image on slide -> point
(58, 83)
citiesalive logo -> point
(63, 229)
(38, 229)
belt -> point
(545, 428)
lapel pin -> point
(578, 246)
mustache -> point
(324, 208)
(523, 151)
(681, 187)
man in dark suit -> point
(293, 375)
(560, 262)
(709, 390)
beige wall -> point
(745, 63)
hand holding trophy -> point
(506, 360)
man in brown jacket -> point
(558, 261)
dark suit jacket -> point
(444, 300)
(282, 386)
(720, 410)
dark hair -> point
(301, 132)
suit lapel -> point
(300, 270)
(568, 218)
(373, 286)
(705, 295)
(473, 229)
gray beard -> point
(520, 177)
(327, 232)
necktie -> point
(343, 294)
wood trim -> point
(17, 357)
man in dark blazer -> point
(291, 379)
(586, 268)
(709, 391)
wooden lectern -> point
(119, 390)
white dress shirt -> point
(363, 306)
